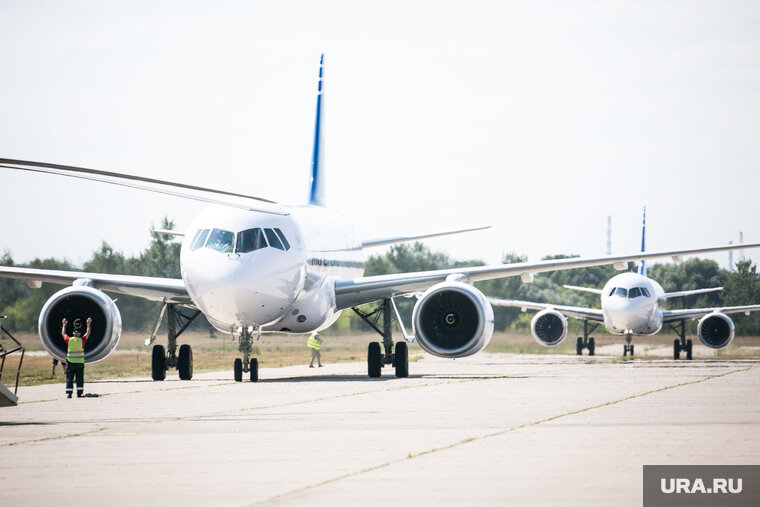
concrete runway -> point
(495, 429)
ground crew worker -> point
(75, 356)
(55, 363)
(314, 342)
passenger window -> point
(645, 291)
(274, 241)
(200, 240)
(220, 240)
(250, 240)
(283, 238)
(621, 292)
(634, 293)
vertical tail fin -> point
(317, 191)
(642, 266)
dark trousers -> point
(75, 370)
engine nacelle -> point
(452, 319)
(716, 330)
(80, 302)
(549, 327)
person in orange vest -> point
(314, 343)
(75, 356)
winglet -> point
(642, 266)
(317, 191)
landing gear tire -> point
(238, 369)
(676, 350)
(374, 360)
(254, 369)
(579, 346)
(591, 346)
(185, 362)
(688, 349)
(631, 349)
(158, 363)
(625, 350)
(401, 360)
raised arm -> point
(87, 333)
(63, 330)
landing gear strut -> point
(164, 358)
(628, 347)
(681, 343)
(586, 342)
(248, 364)
(375, 357)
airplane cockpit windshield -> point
(245, 241)
(632, 293)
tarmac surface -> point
(494, 429)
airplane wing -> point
(573, 311)
(169, 290)
(358, 291)
(698, 313)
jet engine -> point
(79, 303)
(716, 330)
(549, 327)
(453, 319)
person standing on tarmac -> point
(314, 343)
(75, 356)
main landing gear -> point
(681, 344)
(249, 365)
(163, 359)
(586, 342)
(376, 359)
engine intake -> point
(548, 327)
(715, 330)
(80, 302)
(453, 319)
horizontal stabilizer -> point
(584, 289)
(691, 292)
(168, 232)
(405, 239)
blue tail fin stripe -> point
(315, 193)
(642, 267)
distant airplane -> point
(632, 305)
(251, 265)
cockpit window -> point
(620, 291)
(220, 240)
(200, 239)
(634, 293)
(274, 241)
(250, 240)
(283, 238)
(612, 291)
(645, 291)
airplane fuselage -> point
(632, 304)
(251, 269)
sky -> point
(540, 119)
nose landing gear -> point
(628, 347)
(248, 364)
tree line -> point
(161, 259)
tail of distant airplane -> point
(642, 266)
(317, 191)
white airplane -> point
(251, 265)
(632, 304)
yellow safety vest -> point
(313, 343)
(76, 351)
